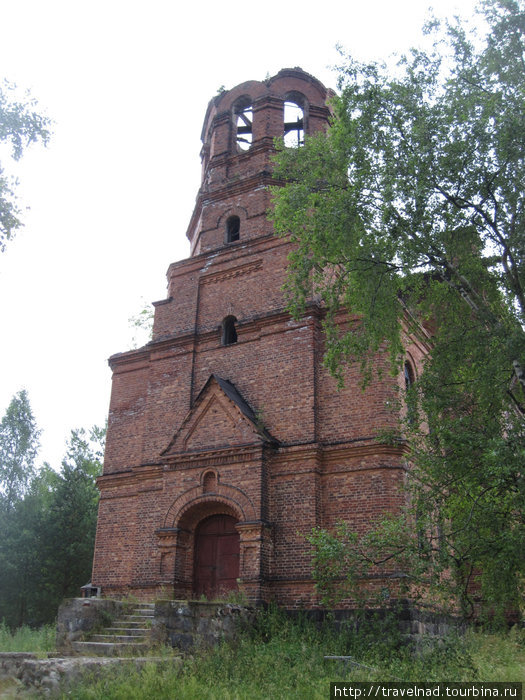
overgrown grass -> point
(27, 639)
(500, 657)
(283, 659)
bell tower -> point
(238, 135)
(227, 440)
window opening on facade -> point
(409, 383)
(229, 332)
(209, 482)
(244, 125)
(233, 228)
(409, 376)
(293, 125)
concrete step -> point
(127, 635)
(120, 622)
(151, 606)
(133, 631)
(108, 648)
(118, 638)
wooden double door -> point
(217, 548)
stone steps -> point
(126, 636)
(126, 631)
(130, 624)
(108, 648)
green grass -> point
(27, 639)
(281, 659)
(500, 657)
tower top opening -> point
(239, 132)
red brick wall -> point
(279, 448)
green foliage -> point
(142, 325)
(47, 518)
(20, 126)
(19, 518)
(284, 658)
(19, 443)
(72, 515)
(26, 639)
(344, 561)
(412, 207)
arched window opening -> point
(409, 383)
(233, 228)
(244, 126)
(293, 125)
(409, 376)
(209, 482)
(229, 332)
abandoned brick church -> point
(227, 439)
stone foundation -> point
(187, 625)
(78, 617)
(47, 676)
(183, 624)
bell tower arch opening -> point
(243, 114)
(294, 122)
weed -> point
(27, 639)
(129, 603)
(283, 658)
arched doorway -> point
(216, 567)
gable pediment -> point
(219, 419)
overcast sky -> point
(127, 83)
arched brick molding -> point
(177, 536)
(177, 541)
(235, 210)
(230, 496)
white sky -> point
(127, 83)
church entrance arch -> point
(216, 556)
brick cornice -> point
(232, 188)
(334, 453)
(275, 320)
(228, 253)
(130, 361)
(230, 272)
(139, 359)
(324, 456)
(208, 458)
(133, 476)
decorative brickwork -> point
(245, 423)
